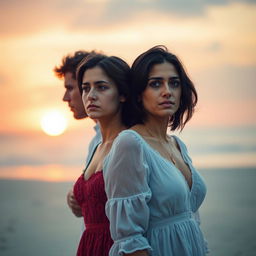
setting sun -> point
(53, 123)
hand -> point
(73, 205)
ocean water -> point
(35, 220)
(229, 211)
(221, 147)
(208, 147)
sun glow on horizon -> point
(53, 123)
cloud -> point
(3, 79)
(117, 10)
(214, 47)
(230, 82)
(42, 172)
(35, 16)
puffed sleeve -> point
(126, 185)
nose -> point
(66, 97)
(92, 94)
(166, 90)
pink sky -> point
(215, 41)
(217, 48)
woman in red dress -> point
(104, 85)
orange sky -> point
(215, 40)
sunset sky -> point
(216, 41)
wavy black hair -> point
(140, 70)
(117, 70)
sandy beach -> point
(34, 218)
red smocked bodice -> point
(91, 196)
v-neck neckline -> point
(87, 165)
(169, 162)
(92, 175)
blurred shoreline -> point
(35, 220)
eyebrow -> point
(97, 82)
(102, 82)
(160, 78)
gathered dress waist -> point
(171, 220)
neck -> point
(110, 128)
(157, 128)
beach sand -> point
(35, 220)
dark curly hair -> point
(70, 63)
(140, 70)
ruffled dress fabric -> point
(150, 205)
(91, 196)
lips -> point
(92, 106)
(167, 103)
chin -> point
(92, 116)
(166, 114)
(78, 117)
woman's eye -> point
(86, 88)
(102, 87)
(155, 84)
(174, 83)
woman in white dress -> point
(152, 187)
